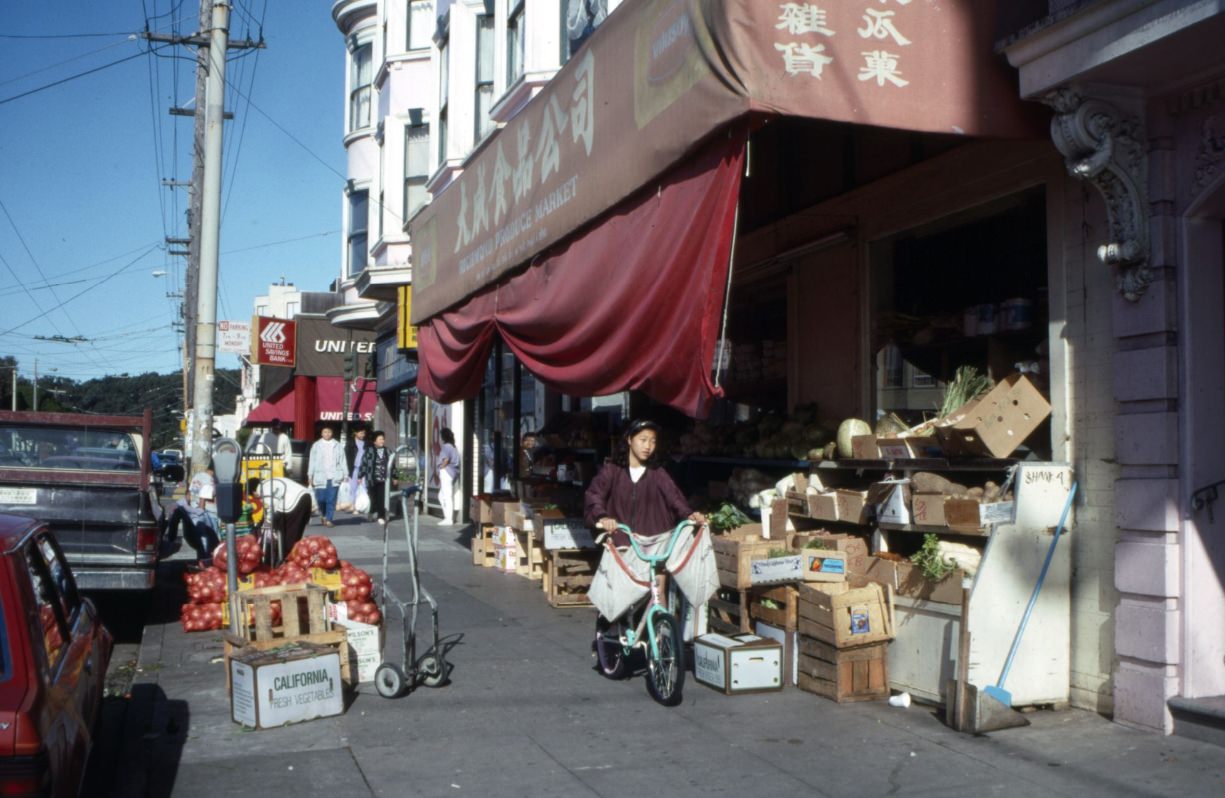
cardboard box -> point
(561, 532)
(290, 684)
(891, 500)
(787, 638)
(365, 648)
(810, 565)
(907, 580)
(846, 616)
(327, 579)
(854, 547)
(997, 423)
(863, 447)
(734, 553)
(480, 510)
(774, 520)
(970, 515)
(853, 506)
(503, 510)
(740, 664)
(927, 509)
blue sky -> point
(83, 213)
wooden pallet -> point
(483, 553)
(531, 554)
(843, 674)
(303, 619)
(570, 572)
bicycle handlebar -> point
(667, 552)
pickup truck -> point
(90, 479)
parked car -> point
(55, 655)
(90, 478)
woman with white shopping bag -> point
(375, 469)
(633, 490)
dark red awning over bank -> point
(323, 398)
(633, 302)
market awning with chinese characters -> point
(660, 76)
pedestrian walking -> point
(287, 508)
(355, 450)
(448, 475)
(375, 466)
(278, 444)
(327, 470)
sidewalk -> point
(525, 714)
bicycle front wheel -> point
(666, 671)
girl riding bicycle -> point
(633, 490)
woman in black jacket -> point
(374, 472)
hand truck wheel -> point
(389, 680)
(433, 670)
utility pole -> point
(210, 237)
(35, 385)
(210, 69)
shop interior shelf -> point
(939, 530)
(921, 464)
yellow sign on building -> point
(406, 334)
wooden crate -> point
(784, 616)
(728, 612)
(570, 574)
(734, 552)
(303, 618)
(843, 674)
(303, 612)
(483, 553)
(531, 554)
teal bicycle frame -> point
(633, 637)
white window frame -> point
(423, 38)
(483, 91)
(356, 233)
(358, 91)
(412, 132)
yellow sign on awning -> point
(406, 334)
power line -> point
(73, 77)
(63, 35)
(100, 282)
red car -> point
(53, 657)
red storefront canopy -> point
(327, 403)
(598, 183)
(632, 303)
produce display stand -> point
(924, 655)
(569, 573)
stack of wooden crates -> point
(536, 543)
(843, 633)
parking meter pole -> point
(231, 576)
(227, 467)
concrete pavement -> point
(525, 714)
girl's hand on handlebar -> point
(607, 524)
(698, 519)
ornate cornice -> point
(1105, 147)
(1211, 152)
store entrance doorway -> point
(1203, 439)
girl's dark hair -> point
(621, 452)
(447, 436)
(374, 436)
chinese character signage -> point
(659, 76)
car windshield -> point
(67, 448)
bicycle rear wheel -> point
(666, 672)
(610, 655)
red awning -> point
(631, 303)
(329, 402)
(660, 76)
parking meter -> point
(227, 469)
